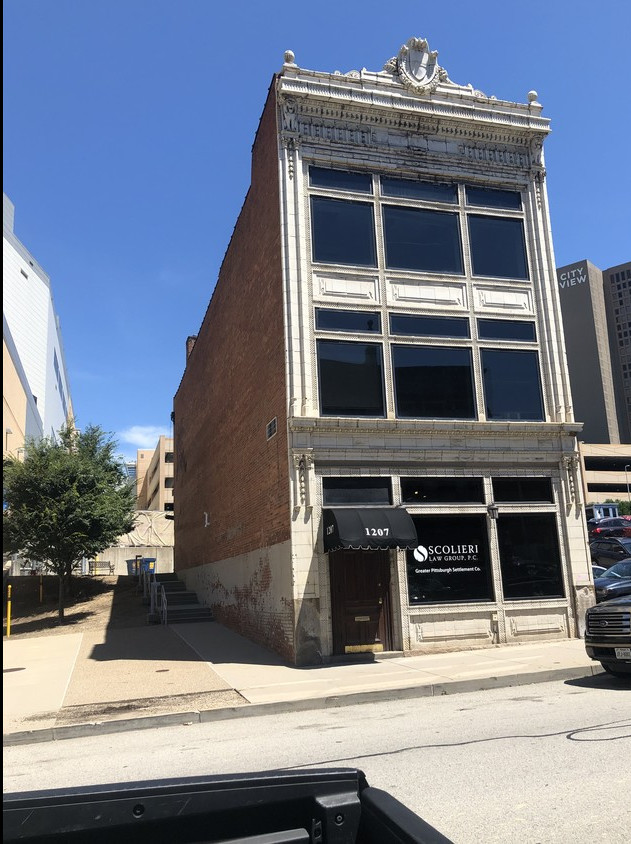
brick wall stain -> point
(233, 385)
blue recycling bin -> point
(132, 567)
(148, 564)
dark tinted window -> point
(321, 177)
(441, 490)
(350, 378)
(529, 556)
(356, 491)
(422, 240)
(522, 489)
(608, 464)
(611, 488)
(418, 190)
(497, 247)
(492, 198)
(506, 329)
(424, 326)
(343, 231)
(329, 320)
(433, 382)
(451, 562)
(512, 389)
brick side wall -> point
(231, 484)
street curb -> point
(250, 710)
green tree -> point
(66, 500)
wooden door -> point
(360, 601)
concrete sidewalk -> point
(76, 684)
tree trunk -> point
(69, 581)
(61, 595)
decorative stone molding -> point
(290, 145)
(303, 463)
(570, 464)
(417, 67)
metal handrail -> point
(154, 597)
(163, 601)
(147, 578)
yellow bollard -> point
(8, 610)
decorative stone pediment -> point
(417, 66)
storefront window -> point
(522, 489)
(529, 556)
(441, 490)
(451, 563)
(356, 491)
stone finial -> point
(532, 97)
(290, 58)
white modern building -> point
(33, 349)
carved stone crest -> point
(417, 66)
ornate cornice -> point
(432, 428)
(411, 101)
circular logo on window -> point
(421, 554)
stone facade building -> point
(375, 448)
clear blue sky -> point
(128, 126)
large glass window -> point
(416, 239)
(506, 329)
(451, 562)
(426, 326)
(343, 231)
(356, 491)
(493, 198)
(433, 382)
(529, 556)
(441, 490)
(322, 177)
(350, 378)
(522, 489)
(512, 388)
(498, 248)
(352, 321)
(412, 189)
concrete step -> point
(193, 612)
(167, 577)
(179, 598)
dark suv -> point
(608, 635)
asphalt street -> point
(541, 764)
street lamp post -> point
(626, 477)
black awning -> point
(368, 527)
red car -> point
(619, 526)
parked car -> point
(616, 581)
(605, 552)
(608, 635)
(598, 570)
(609, 527)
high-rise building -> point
(596, 309)
(36, 391)
(374, 440)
